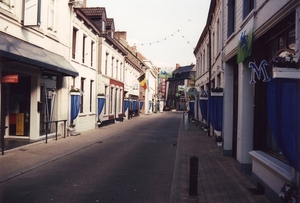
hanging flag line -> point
(164, 39)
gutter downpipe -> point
(209, 79)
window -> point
(218, 36)
(291, 39)
(32, 12)
(248, 6)
(111, 100)
(231, 17)
(120, 100)
(105, 107)
(203, 62)
(51, 15)
(81, 98)
(74, 43)
(92, 52)
(112, 66)
(117, 63)
(106, 63)
(91, 95)
(83, 48)
(121, 70)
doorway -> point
(17, 105)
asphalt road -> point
(134, 165)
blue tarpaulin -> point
(192, 108)
(134, 105)
(283, 98)
(126, 105)
(215, 105)
(101, 102)
(203, 108)
(141, 104)
(75, 106)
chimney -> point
(120, 35)
(177, 65)
(134, 47)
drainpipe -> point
(209, 79)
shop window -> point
(281, 42)
(231, 17)
(248, 6)
(291, 39)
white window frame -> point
(51, 15)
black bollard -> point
(193, 191)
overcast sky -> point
(164, 31)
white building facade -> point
(35, 67)
(253, 34)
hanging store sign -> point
(258, 71)
(10, 79)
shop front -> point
(31, 80)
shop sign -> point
(258, 71)
(10, 79)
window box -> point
(282, 72)
(216, 94)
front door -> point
(18, 106)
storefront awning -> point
(21, 51)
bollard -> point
(193, 190)
(186, 121)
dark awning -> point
(19, 50)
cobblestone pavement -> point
(219, 181)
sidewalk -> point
(218, 178)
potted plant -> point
(100, 95)
(219, 140)
(285, 65)
(289, 193)
(75, 91)
(71, 127)
(218, 91)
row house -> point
(134, 75)
(257, 43)
(35, 67)
(177, 87)
(111, 60)
(60, 73)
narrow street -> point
(133, 165)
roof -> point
(183, 69)
(94, 11)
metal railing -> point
(2, 138)
(56, 122)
